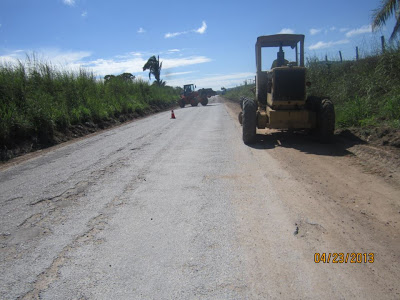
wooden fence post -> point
(383, 43)
(356, 53)
(340, 54)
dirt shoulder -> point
(341, 197)
(376, 150)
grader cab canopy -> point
(281, 40)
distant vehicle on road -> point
(193, 97)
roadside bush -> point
(365, 92)
(236, 93)
(37, 98)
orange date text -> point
(340, 258)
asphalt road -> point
(166, 208)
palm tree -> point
(384, 12)
(154, 66)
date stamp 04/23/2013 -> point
(340, 258)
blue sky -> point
(209, 43)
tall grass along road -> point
(40, 102)
(180, 208)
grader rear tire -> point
(325, 117)
(249, 120)
(241, 102)
(326, 121)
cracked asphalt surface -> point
(182, 209)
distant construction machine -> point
(193, 97)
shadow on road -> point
(214, 104)
(306, 143)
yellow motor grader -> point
(281, 100)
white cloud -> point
(68, 60)
(69, 2)
(343, 29)
(128, 55)
(173, 50)
(174, 34)
(133, 63)
(7, 59)
(323, 45)
(73, 60)
(314, 31)
(215, 82)
(104, 67)
(178, 74)
(202, 29)
(52, 55)
(184, 61)
(141, 30)
(84, 14)
(286, 31)
(361, 30)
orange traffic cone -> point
(172, 114)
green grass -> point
(37, 98)
(365, 92)
(241, 91)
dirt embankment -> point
(378, 136)
(36, 142)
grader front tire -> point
(249, 121)
(326, 121)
